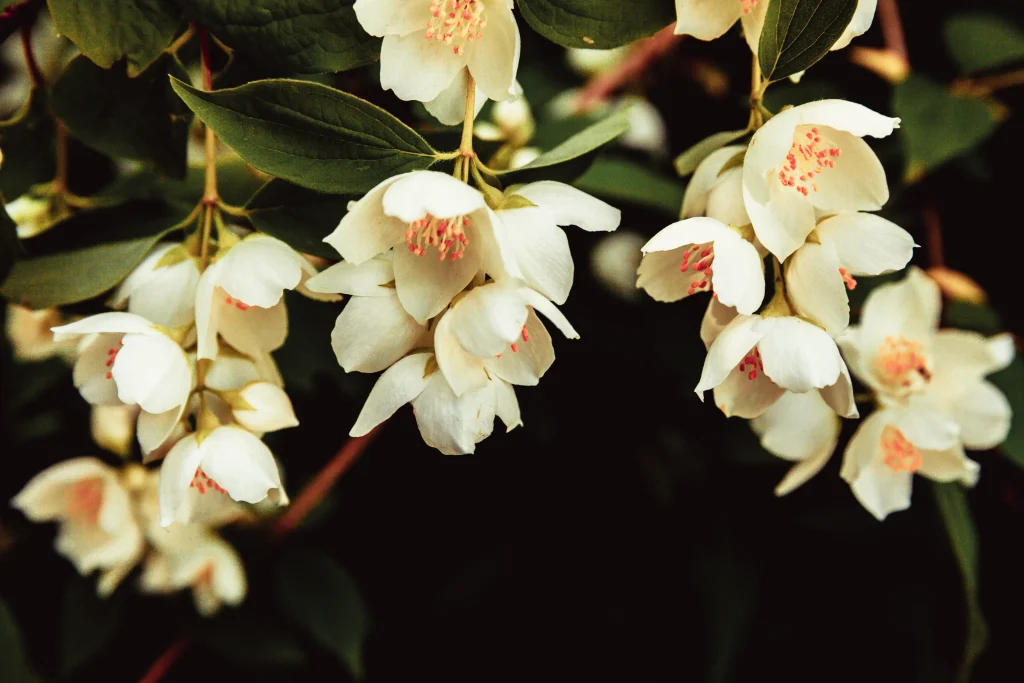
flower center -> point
(700, 263)
(455, 22)
(201, 482)
(753, 361)
(898, 453)
(240, 305)
(514, 346)
(84, 499)
(447, 235)
(809, 156)
(902, 363)
(111, 356)
(848, 280)
(748, 5)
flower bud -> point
(261, 407)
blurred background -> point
(628, 532)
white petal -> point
(948, 465)
(420, 193)
(152, 430)
(738, 277)
(366, 279)
(425, 284)
(705, 19)
(391, 17)
(436, 66)
(92, 367)
(549, 311)
(753, 23)
(741, 396)
(725, 200)
(800, 356)
(270, 408)
(399, 384)
(861, 22)
(366, 231)
(152, 371)
(816, 288)
(984, 417)
(781, 217)
(909, 308)
(705, 177)
(687, 232)
(207, 314)
(42, 498)
(258, 270)
(715, 319)
(857, 183)
(105, 322)
(450, 106)
(926, 429)
(570, 206)
(530, 359)
(453, 424)
(801, 428)
(176, 474)
(231, 372)
(660, 275)
(961, 359)
(867, 244)
(839, 396)
(253, 331)
(463, 371)
(879, 489)
(240, 463)
(494, 60)
(506, 406)
(374, 332)
(730, 347)
(540, 249)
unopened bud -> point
(261, 407)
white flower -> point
(261, 407)
(228, 462)
(801, 428)
(30, 335)
(31, 215)
(614, 260)
(703, 255)
(899, 352)
(494, 331)
(754, 360)
(808, 158)
(240, 296)
(429, 44)
(97, 527)
(894, 443)
(162, 288)
(531, 237)
(820, 272)
(717, 193)
(442, 231)
(113, 427)
(710, 19)
(451, 424)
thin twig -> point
(933, 235)
(60, 133)
(210, 196)
(34, 73)
(164, 662)
(892, 28)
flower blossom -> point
(162, 288)
(716, 191)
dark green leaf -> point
(27, 143)
(108, 30)
(10, 247)
(88, 624)
(316, 36)
(579, 145)
(14, 667)
(937, 125)
(87, 254)
(298, 216)
(621, 180)
(1011, 382)
(320, 596)
(687, 162)
(249, 640)
(974, 317)
(599, 24)
(133, 118)
(797, 33)
(309, 134)
(978, 41)
(963, 536)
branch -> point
(165, 661)
(892, 29)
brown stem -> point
(989, 84)
(933, 236)
(60, 181)
(315, 490)
(164, 662)
(892, 28)
(210, 195)
(34, 73)
(641, 57)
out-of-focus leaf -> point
(797, 33)
(135, 118)
(109, 30)
(251, 641)
(598, 24)
(1011, 382)
(309, 134)
(14, 666)
(956, 515)
(310, 37)
(687, 162)
(87, 254)
(298, 216)
(622, 180)
(26, 141)
(937, 125)
(88, 623)
(978, 41)
(321, 597)
(968, 316)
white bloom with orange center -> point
(442, 232)
(812, 158)
(893, 444)
(841, 248)
(97, 527)
(162, 288)
(451, 424)
(700, 255)
(716, 191)
(429, 45)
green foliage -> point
(321, 597)
(317, 36)
(598, 24)
(687, 162)
(251, 640)
(88, 623)
(110, 30)
(298, 216)
(136, 118)
(87, 254)
(938, 125)
(14, 667)
(26, 140)
(978, 41)
(621, 180)
(309, 134)
(797, 33)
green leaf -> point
(578, 146)
(687, 162)
(316, 36)
(1011, 382)
(797, 33)
(88, 624)
(251, 640)
(956, 515)
(27, 143)
(108, 30)
(598, 24)
(320, 596)
(309, 134)
(87, 254)
(978, 41)
(298, 216)
(133, 118)
(10, 246)
(937, 125)
(14, 666)
(621, 180)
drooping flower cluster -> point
(446, 286)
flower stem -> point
(60, 181)
(210, 192)
(466, 145)
(933, 235)
(34, 73)
(164, 662)
(181, 40)
(892, 28)
(641, 57)
(757, 88)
